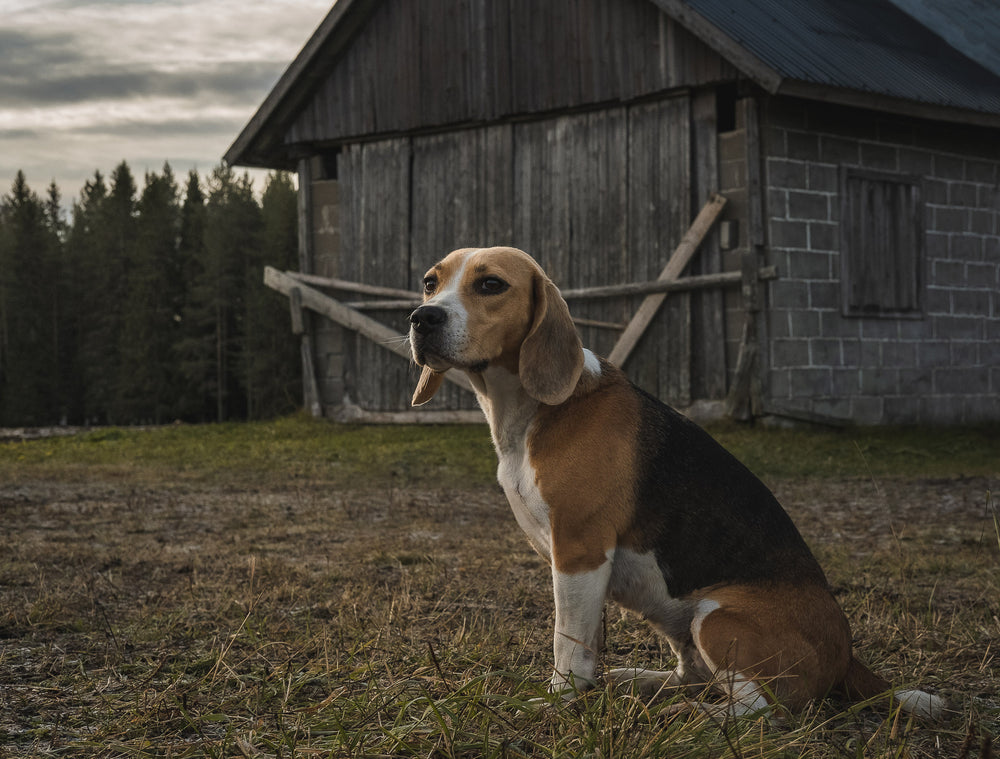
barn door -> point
(598, 198)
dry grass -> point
(153, 609)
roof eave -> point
(886, 103)
(774, 82)
(766, 76)
(263, 133)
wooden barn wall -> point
(375, 235)
(461, 197)
(427, 63)
(598, 198)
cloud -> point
(86, 84)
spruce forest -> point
(146, 306)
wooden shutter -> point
(882, 256)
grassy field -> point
(301, 589)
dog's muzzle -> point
(427, 335)
(427, 319)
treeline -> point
(147, 306)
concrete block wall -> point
(940, 368)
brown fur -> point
(802, 659)
(589, 504)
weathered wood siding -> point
(375, 234)
(601, 197)
(419, 64)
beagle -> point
(629, 500)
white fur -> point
(579, 600)
(456, 329)
(591, 364)
(705, 607)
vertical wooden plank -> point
(305, 175)
(708, 333)
(541, 201)
(461, 197)
(598, 210)
(570, 200)
(747, 114)
(376, 251)
(659, 212)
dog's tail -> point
(862, 684)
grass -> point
(303, 589)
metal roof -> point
(939, 52)
(970, 26)
(936, 59)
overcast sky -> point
(86, 84)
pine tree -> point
(271, 357)
(62, 292)
(215, 311)
(151, 297)
(28, 263)
(86, 260)
(191, 400)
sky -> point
(86, 84)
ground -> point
(160, 616)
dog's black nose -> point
(428, 318)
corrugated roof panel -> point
(866, 45)
(970, 26)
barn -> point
(776, 208)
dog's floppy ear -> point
(551, 359)
(428, 384)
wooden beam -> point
(295, 306)
(344, 285)
(685, 284)
(365, 326)
(678, 260)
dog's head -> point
(495, 306)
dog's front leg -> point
(579, 599)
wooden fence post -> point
(678, 260)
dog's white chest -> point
(518, 480)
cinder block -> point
(823, 178)
(824, 295)
(810, 383)
(824, 236)
(867, 410)
(933, 353)
(789, 234)
(787, 173)
(941, 409)
(846, 382)
(803, 323)
(916, 382)
(971, 380)
(915, 161)
(808, 205)
(879, 156)
(839, 151)
(879, 381)
(803, 146)
(901, 409)
(949, 167)
(899, 354)
(825, 352)
(979, 409)
(787, 353)
(789, 293)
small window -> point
(882, 244)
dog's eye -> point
(430, 285)
(491, 286)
